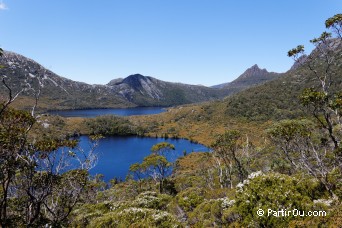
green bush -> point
(189, 199)
(207, 214)
(152, 200)
(146, 210)
(276, 192)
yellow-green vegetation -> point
(200, 123)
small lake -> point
(117, 154)
(89, 113)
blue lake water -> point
(117, 154)
(89, 113)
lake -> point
(116, 154)
(89, 113)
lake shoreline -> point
(95, 112)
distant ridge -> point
(135, 90)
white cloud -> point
(3, 6)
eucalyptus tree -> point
(162, 148)
(157, 167)
(229, 156)
(316, 149)
(41, 179)
(137, 170)
(324, 100)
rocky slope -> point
(56, 92)
(145, 90)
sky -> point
(205, 42)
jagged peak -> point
(254, 70)
(256, 67)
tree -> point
(157, 167)
(138, 172)
(14, 126)
(162, 148)
(37, 186)
(305, 149)
(39, 182)
(324, 101)
(228, 154)
(317, 149)
(154, 165)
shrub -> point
(274, 192)
(189, 199)
(136, 217)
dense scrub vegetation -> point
(110, 125)
(271, 165)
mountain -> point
(135, 90)
(56, 92)
(255, 109)
(251, 77)
(61, 93)
(279, 98)
(145, 90)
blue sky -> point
(204, 42)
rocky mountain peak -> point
(251, 77)
(254, 71)
(255, 66)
